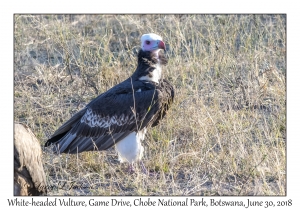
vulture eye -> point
(147, 42)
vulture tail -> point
(61, 132)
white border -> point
(187, 6)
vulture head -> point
(152, 42)
(150, 59)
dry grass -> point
(224, 135)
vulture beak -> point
(161, 45)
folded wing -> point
(109, 118)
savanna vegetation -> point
(226, 131)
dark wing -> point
(66, 127)
(167, 99)
(109, 118)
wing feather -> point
(67, 125)
(110, 118)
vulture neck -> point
(149, 66)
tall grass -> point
(225, 134)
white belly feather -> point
(130, 148)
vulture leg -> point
(131, 169)
(143, 168)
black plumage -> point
(127, 107)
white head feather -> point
(152, 42)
